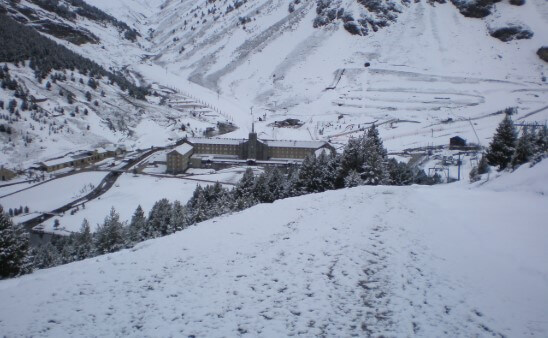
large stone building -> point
(199, 151)
(178, 159)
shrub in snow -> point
(510, 33)
(542, 53)
(352, 28)
(474, 8)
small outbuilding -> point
(457, 142)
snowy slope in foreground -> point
(430, 261)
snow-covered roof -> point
(270, 143)
(183, 148)
(211, 140)
(294, 144)
(66, 159)
(215, 157)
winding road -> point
(107, 183)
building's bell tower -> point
(252, 144)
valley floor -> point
(428, 261)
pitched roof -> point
(183, 148)
(295, 144)
(213, 140)
(270, 143)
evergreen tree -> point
(399, 173)
(159, 219)
(92, 83)
(353, 179)
(83, 242)
(110, 236)
(524, 148)
(261, 192)
(243, 192)
(13, 247)
(137, 226)
(292, 186)
(199, 209)
(335, 168)
(67, 249)
(46, 256)
(218, 200)
(352, 158)
(310, 175)
(178, 219)
(422, 178)
(540, 144)
(244, 188)
(503, 145)
(275, 182)
(483, 165)
(327, 171)
(374, 169)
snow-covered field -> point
(452, 260)
(128, 192)
(53, 194)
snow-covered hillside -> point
(397, 261)
(428, 65)
(432, 73)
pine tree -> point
(540, 144)
(46, 256)
(83, 242)
(353, 179)
(310, 176)
(292, 186)
(200, 209)
(110, 236)
(218, 200)
(374, 169)
(326, 171)
(137, 225)
(524, 148)
(67, 249)
(275, 182)
(503, 145)
(352, 158)
(243, 192)
(399, 173)
(159, 219)
(261, 191)
(244, 188)
(13, 247)
(178, 219)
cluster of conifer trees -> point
(509, 149)
(19, 43)
(364, 161)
